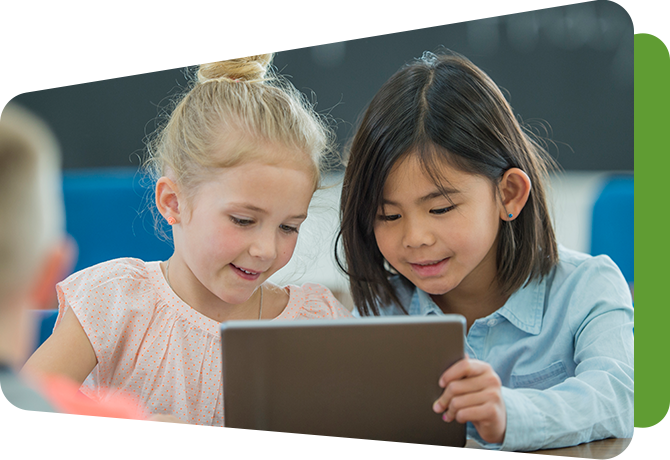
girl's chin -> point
(434, 288)
(437, 293)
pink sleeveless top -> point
(154, 348)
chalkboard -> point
(99, 72)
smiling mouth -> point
(428, 264)
(248, 272)
(429, 269)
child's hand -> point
(186, 440)
(472, 393)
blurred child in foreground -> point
(35, 254)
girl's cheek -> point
(384, 239)
(286, 252)
(228, 238)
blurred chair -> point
(612, 224)
(107, 213)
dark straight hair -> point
(445, 110)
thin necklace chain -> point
(167, 278)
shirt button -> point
(492, 322)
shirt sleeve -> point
(106, 300)
(597, 402)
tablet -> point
(368, 378)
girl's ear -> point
(514, 190)
(167, 200)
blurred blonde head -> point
(234, 102)
(31, 203)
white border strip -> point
(651, 444)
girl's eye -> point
(442, 210)
(389, 218)
(288, 229)
(241, 222)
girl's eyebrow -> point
(438, 194)
(254, 208)
(430, 196)
(249, 207)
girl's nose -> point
(264, 247)
(417, 234)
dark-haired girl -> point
(444, 211)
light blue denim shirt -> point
(563, 349)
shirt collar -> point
(524, 309)
(422, 304)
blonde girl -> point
(236, 166)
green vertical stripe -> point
(652, 230)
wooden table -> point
(608, 449)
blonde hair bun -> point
(242, 51)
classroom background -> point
(567, 72)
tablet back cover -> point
(369, 378)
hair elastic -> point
(171, 220)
